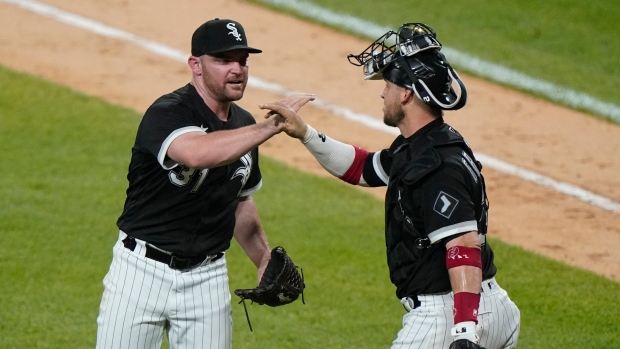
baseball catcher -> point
(280, 284)
(436, 205)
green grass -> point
(568, 42)
(561, 307)
(65, 157)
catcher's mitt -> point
(464, 344)
(281, 283)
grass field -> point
(570, 43)
(64, 164)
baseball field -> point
(543, 117)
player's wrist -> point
(309, 135)
(466, 306)
(303, 132)
(271, 126)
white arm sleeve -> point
(335, 157)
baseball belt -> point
(173, 260)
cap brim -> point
(237, 47)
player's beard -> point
(236, 93)
(393, 115)
(225, 90)
(229, 92)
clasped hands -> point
(284, 114)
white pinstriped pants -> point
(142, 298)
(428, 326)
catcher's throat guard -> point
(280, 284)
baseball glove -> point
(281, 283)
(464, 344)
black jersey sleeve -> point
(447, 203)
(160, 125)
(374, 172)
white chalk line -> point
(366, 120)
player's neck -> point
(411, 123)
(219, 108)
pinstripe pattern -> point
(428, 326)
(498, 318)
(143, 298)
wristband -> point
(466, 307)
(354, 173)
(457, 256)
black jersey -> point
(174, 207)
(435, 193)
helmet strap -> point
(422, 91)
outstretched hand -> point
(286, 110)
(298, 100)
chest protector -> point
(417, 266)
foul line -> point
(491, 71)
(367, 120)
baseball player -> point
(436, 205)
(193, 168)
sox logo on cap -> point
(233, 31)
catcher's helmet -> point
(414, 62)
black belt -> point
(174, 261)
(416, 302)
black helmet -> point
(414, 62)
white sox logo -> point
(233, 31)
(244, 172)
(445, 204)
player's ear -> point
(406, 96)
(195, 64)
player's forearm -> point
(209, 150)
(339, 159)
(465, 279)
(461, 253)
(464, 263)
(335, 157)
(249, 233)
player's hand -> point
(295, 101)
(287, 119)
(298, 100)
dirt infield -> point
(562, 144)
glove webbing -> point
(247, 316)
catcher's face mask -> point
(410, 39)
(410, 58)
